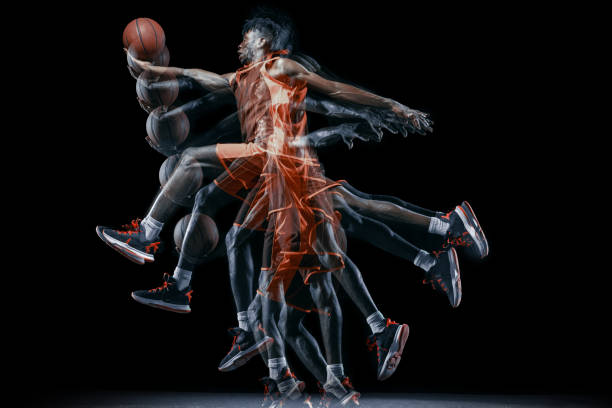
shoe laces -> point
(462, 240)
(435, 281)
(234, 332)
(346, 382)
(132, 228)
(164, 286)
(371, 343)
(154, 246)
(289, 374)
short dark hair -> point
(274, 25)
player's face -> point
(247, 48)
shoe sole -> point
(346, 399)
(395, 353)
(160, 304)
(456, 276)
(474, 231)
(122, 246)
(468, 208)
(243, 357)
(297, 392)
(135, 259)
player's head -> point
(267, 30)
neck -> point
(260, 55)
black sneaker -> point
(244, 346)
(445, 276)
(131, 241)
(271, 393)
(133, 258)
(465, 231)
(389, 346)
(342, 390)
(166, 297)
(294, 387)
(325, 399)
(273, 397)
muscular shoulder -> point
(287, 67)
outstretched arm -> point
(209, 80)
(346, 92)
(345, 132)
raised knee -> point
(188, 157)
(202, 196)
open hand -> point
(144, 65)
(418, 121)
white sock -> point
(183, 278)
(424, 260)
(151, 227)
(243, 321)
(275, 365)
(377, 322)
(438, 226)
(336, 371)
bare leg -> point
(385, 210)
(330, 316)
(379, 197)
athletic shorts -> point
(243, 163)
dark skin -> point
(254, 47)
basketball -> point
(167, 167)
(157, 91)
(167, 129)
(203, 240)
(144, 38)
(182, 194)
(162, 60)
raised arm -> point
(209, 80)
(346, 92)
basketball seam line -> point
(154, 33)
(140, 37)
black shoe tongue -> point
(234, 331)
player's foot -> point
(325, 399)
(167, 296)
(389, 346)
(244, 346)
(445, 276)
(131, 241)
(290, 387)
(292, 390)
(465, 231)
(271, 393)
(133, 258)
(343, 392)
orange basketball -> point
(144, 38)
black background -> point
(533, 314)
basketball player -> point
(256, 42)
